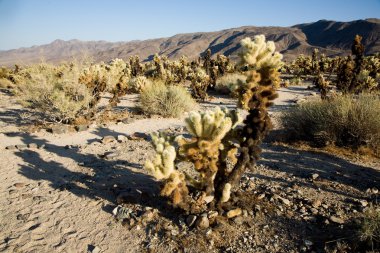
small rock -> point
(122, 213)
(212, 214)
(233, 213)
(121, 138)
(314, 176)
(32, 145)
(316, 203)
(363, 202)
(336, 220)
(108, 139)
(19, 185)
(21, 146)
(261, 196)
(81, 128)
(96, 250)
(190, 220)
(314, 211)
(110, 155)
(238, 220)
(41, 146)
(208, 199)
(138, 136)
(285, 201)
(128, 120)
(203, 222)
(375, 190)
(59, 129)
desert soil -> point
(58, 195)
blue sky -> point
(24, 23)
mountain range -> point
(330, 37)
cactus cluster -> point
(200, 81)
(358, 73)
(216, 136)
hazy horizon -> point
(37, 22)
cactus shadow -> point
(93, 177)
(331, 169)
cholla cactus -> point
(366, 82)
(322, 85)
(224, 64)
(216, 139)
(136, 68)
(358, 74)
(208, 130)
(257, 94)
(199, 83)
(103, 77)
(345, 74)
(163, 168)
(163, 164)
(259, 53)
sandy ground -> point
(59, 199)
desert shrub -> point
(229, 83)
(369, 231)
(168, 101)
(137, 84)
(347, 120)
(54, 91)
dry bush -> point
(349, 120)
(168, 101)
(229, 83)
(370, 228)
(54, 91)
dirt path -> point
(57, 199)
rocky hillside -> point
(330, 37)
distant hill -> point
(330, 37)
